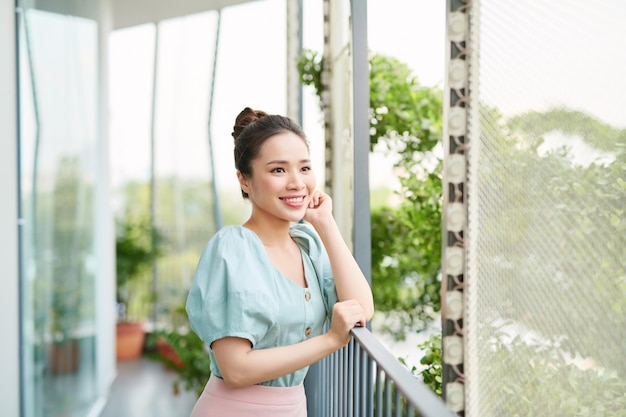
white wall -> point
(9, 294)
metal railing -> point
(365, 380)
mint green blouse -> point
(236, 291)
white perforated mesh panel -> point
(545, 284)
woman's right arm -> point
(243, 366)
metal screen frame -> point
(455, 140)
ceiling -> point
(126, 13)
(136, 12)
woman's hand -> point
(320, 207)
(346, 315)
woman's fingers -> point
(315, 199)
(346, 315)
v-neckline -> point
(282, 275)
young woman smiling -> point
(262, 291)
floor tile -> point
(143, 388)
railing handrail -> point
(418, 395)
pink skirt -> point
(218, 400)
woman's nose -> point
(295, 181)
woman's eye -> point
(306, 168)
(278, 170)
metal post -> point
(360, 90)
(153, 170)
(217, 214)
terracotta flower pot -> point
(167, 351)
(64, 358)
(129, 342)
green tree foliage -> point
(405, 120)
(572, 213)
(555, 234)
(540, 380)
(404, 115)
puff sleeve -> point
(228, 296)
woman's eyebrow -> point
(282, 162)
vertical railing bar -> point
(336, 393)
(366, 381)
(328, 387)
(322, 387)
(336, 385)
(397, 396)
(370, 386)
(331, 387)
(331, 392)
(379, 393)
(347, 376)
(357, 386)
(331, 376)
(348, 382)
(344, 385)
(387, 397)
(356, 352)
(356, 378)
(340, 394)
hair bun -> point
(246, 117)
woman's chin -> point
(295, 217)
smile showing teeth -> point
(293, 199)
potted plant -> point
(183, 352)
(66, 277)
(137, 246)
(64, 350)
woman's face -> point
(282, 180)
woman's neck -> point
(271, 233)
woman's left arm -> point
(350, 282)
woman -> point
(262, 291)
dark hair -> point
(252, 128)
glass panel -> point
(182, 209)
(58, 135)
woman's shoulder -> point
(232, 238)
(233, 250)
(306, 237)
(231, 232)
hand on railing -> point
(345, 315)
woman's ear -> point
(243, 182)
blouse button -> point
(307, 296)
(307, 331)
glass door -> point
(58, 90)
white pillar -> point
(294, 48)
(337, 58)
(104, 232)
(9, 261)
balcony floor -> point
(143, 388)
